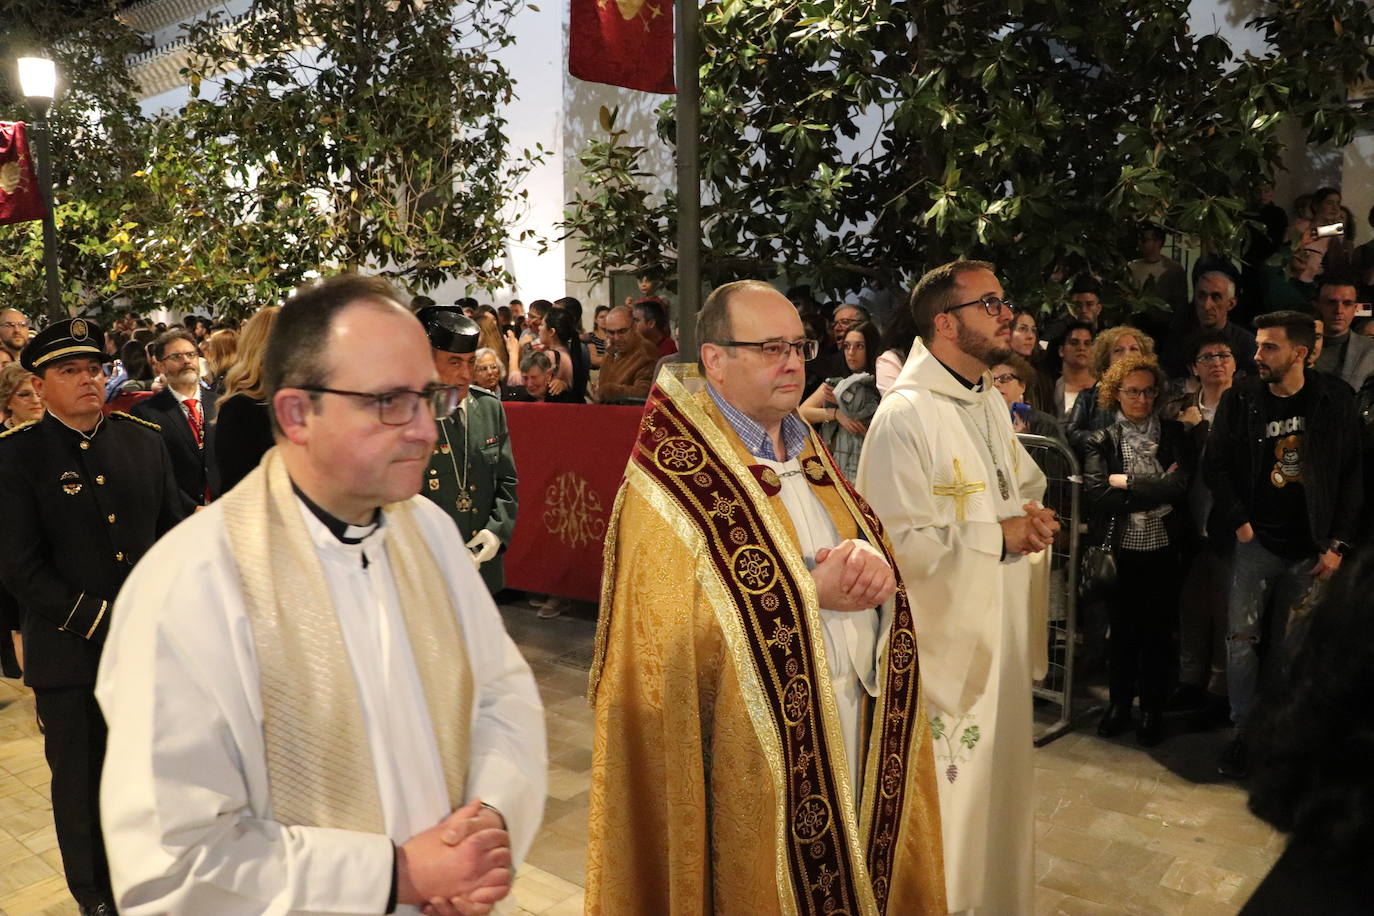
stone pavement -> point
(1120, 830)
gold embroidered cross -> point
(961, 491)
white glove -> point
(483, 545)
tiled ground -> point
(1120, 830)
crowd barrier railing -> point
(1063, 494)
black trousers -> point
(1142, 610)
(74, 743)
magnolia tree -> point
(853, 142)
(319, 136)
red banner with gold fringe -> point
(20, 198)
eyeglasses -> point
(1214, 357)
(186, 357)
(1137, 393)
(29, 395)
(777, 349)
(846, 322)
(991, 304)
(13, 325)
(397, 408)
(1006, 377)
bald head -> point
(620, 332)
(14, 330)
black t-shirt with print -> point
(1279, 515)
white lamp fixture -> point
(37, 78)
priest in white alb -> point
(959, 497)
(313, 704)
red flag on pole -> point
(623, 42)
(20, 199)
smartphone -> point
(1022, 412)
(1330, 230)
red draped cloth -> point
(570, 459)
(20, 198)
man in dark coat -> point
(183, 411)
(472, 471)
(85, 498)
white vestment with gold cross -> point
(930, 468)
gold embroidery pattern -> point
(962, 491)
(573, 512)
(811, 819)
(724, 509)
(679, 455)
(903, 651)
(796, 700)
(755, 569)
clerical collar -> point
(971, 386)
(756, 438)
(346, 533)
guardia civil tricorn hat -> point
(449, 329)
(63, 339)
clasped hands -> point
(1030, 533)
(852, 577)
(459, 867)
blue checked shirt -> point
(756, 438)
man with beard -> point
(471, 473)
(1283, 465)
(182, 411)
(958, 495)
(14, 332)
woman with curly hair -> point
(1136, 482)
(1089, 414)
(1312, 759)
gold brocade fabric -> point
(685, 777)
(319, 763)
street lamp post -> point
(38, 81)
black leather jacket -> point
(1332, 477)
(1103, 457)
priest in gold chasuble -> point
(762, 745)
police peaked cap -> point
(63, 339)
(449, 329)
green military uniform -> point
(473, 455)
(471, 474)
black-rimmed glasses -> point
(1006, 377)
(1214, 357)
(777, 349)
(397, 408)
(991, 304)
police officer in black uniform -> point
(85, 496)
(471, 474)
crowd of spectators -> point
(1226, 441)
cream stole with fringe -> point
(319, 763)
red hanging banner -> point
(623, 42)
(20, 199)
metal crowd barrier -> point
(1063, 495)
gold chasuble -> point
(719, 775)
